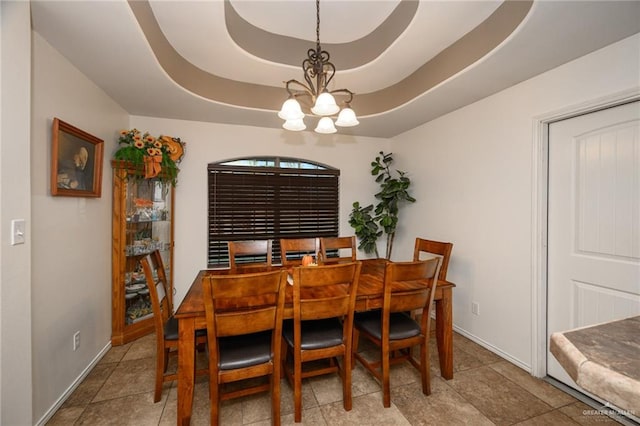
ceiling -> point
(408, 61)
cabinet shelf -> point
(144, 249)
(142, 223)
(132, 221)
(142, 318)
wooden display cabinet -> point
(142, 222)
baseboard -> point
(493, 349)
(51, 411)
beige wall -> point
(71, 251)
(473, 169)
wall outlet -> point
(76, 340)
(475, 308)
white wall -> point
(208, 143)
(15, 291)
(472, 170)
(71, 254)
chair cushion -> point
(316, 334)
(244, 351)
(171, 330)
(401, 325)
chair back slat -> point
(243, 304)
(431, 248)
(292, 249)
(325, 291)
(409, 301)
(244, 255)
(396, 298)
(324, 308)
(339, 245)
(243, 322)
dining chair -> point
(248, 254)
(331, 249)
(166, 326)
(244, 335)
(321, 329)
(425, 249)
(434, 248)
(393, 329)
(292, 249)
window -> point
(269, 198)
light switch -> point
(17, 231)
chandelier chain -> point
(318, 24)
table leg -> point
(186, 369)
(444, 333)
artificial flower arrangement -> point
(158, 156)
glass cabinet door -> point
(148, 228)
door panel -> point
(594, 222)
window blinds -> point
(255, 203)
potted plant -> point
(393, 193)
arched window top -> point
(280, 162)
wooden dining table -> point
(191, 316)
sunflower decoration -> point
(153, 154)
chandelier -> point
(318, 73)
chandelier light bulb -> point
(295, 125)
(347, 118)
(291, 110)
(325, 126)
(325, 105)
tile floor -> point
(485, 390)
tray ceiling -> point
(408, 61)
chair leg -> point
(214, 398)
(425, 367)
(160, 369)
(386, 388)
(354, 346)
(283, 355)
(346, 381)
(275, 398)
(297, 388)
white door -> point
(593, 222)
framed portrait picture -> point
(76, 162)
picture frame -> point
(76, 161)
